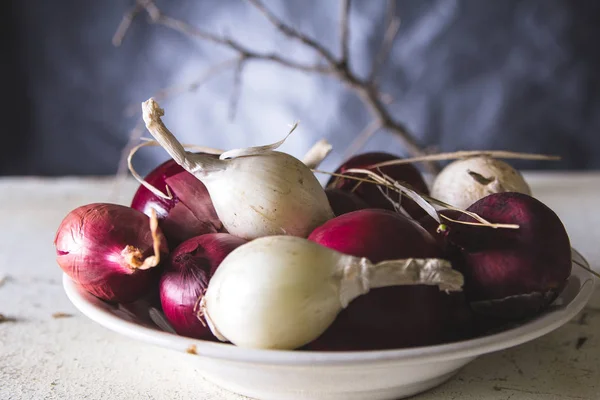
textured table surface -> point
(46, 356)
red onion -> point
(110, 250)
(343, 202)
(188, 213)
(390, 317)
(512, 273)
(187, 273)
(377, 235)
(371, 193)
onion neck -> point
(134, 257)
(197, 164)
(359, 275)
(416, 271)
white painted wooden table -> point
(43, 357)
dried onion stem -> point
(403, 188)
(142, 181)
(469, 153)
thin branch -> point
(293, 33)
(345, 31)
(392, 28)
(371, 98)
(366, 90)
(237, 87)
(151, 8)
(158, 17)
(125, 24)
(362, 138)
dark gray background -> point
(522, 75)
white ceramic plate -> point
(373, 375)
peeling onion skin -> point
(512, 273)
(456, 185)
(185, 279)
(390, 317)
(189, 213)
(370, 193)
(89, 243)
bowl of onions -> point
(279, 288)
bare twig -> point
(345, 31)
(159, 18)
(237, 87)
(392, 27)
(362, 138)
(151, 8)
(293, 33)
(377, 108)
(125, 24)
(329, 65)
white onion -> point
(256, 191)
(281, 292)
(463, 182)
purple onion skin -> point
(392, 317)
(343, 202)
(189, 213)
(512, 273)
(89, 243)
(185, 279)
(370, 193)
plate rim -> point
(470, 348)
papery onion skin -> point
(255, 191)
(185, 279)
(188, 213)
(343, 202)
(390, 317)
(370, 193)
(90, 242)
(268, 194)
(512, 273)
